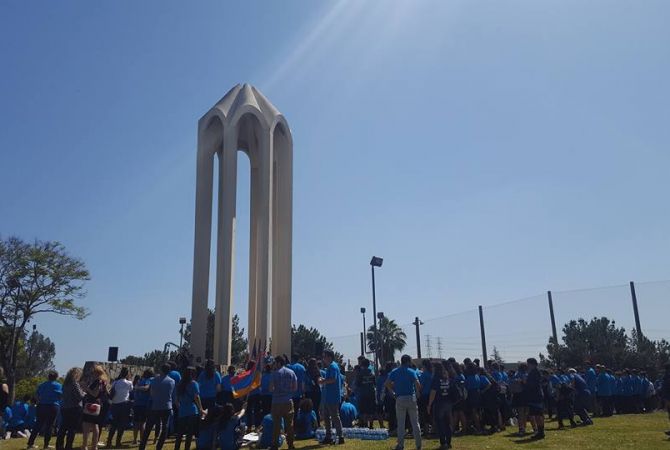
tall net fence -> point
(522, 328)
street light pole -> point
(364, 346)
(375, 262)
(182, 322)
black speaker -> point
(318, 349)
(113, 354)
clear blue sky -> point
(487, 150)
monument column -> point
(225, 246)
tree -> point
(600, 341)
(239, 349)
(35, 278)
(305, 342)
(392, 339)
(497, 358)
(36, 356)
(154, 359)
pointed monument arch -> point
(244, 120)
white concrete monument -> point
(244, 120)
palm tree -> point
(391, 337)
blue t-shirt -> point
(266, 379)
(226, 386)
(591, 379)
(7, 415)
(31, 418)
(580, 383)
(426, 380)
(348, 414)
(227, 437)
(175, 375)
(300, 373)
(305, 423)
(332, 392)
(19, 412)
(162, 389)
(603, 386)
(208, 385)
(483, 382)
(265, 440)
(49, 393)
(404, 379)
(187, 406)
(472, 382)
(142, 397)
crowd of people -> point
(427, 399)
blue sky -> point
(487, 150)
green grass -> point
(639, 432)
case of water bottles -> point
(365, 434)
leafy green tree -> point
(35, 278)
(305, 341)
(496, 357)
(36, 356)
(391, 339)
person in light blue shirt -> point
(189, 407)
(604, 392)
(330, 397)
(305, 422)
(209, 382)
(348, 413)
(226, 395)
(49, 394)
(19, 411)
(162, 391)
(265, 441)
(403, 384)
(266, 394)
(426, 380)
(300, 372)
(228, 436)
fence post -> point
(635, 311)
(481, 327)
(553, 320)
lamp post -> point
(182, 322)
(375, 262)
(380, 344)
(364, 345)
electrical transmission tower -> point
(429, 346)
(439, 347)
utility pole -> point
(481, 328)
(429, 346)
(417, 323)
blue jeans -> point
(406, 404)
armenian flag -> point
(245, 382)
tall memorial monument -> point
(244, 120)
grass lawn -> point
(640, 432)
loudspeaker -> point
(318, 349)
(113, 354)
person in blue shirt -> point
(604, 391)
(6, 420)
(591, 379)
(331, 396)
(283, 386)
(305, 423)
(227, 434)
(141, 399)
(209, 382)
(582, 396)
(226, 394)
(403, 384)
(267, 427)
(189, 407)
(49, 394)
(426, 380)
(266, 394)
(162, 391)
(348, 413)
(207, 428)
(19, 413)
(300, 372)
